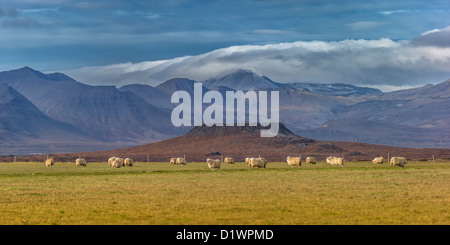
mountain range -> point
(49, 113)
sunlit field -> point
(160, 193)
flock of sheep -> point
(395, 161)
(261, 162)
(253, 162)
(115, 162)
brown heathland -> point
(240, 142)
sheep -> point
(173, 160)
(247, 159)
(264, 161)
(128, 162)
(229, 160)
(213, 164)
(111, 160)
(181, 161)
(255, 162)
(259, 162)
(339, 161)
(80, 162)
(311, 160)
(378, 160)
(294, 161)
(117, 163)
(49, 162)
(398, 161)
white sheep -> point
(181, 161)
(49, 162)
(247, 159)
(398, 161)
(228, 160)
(128, 162)
(80, 162)
(378, 160)
(294, 161)
(111, 160)
(117, 163)
(335, 161)
(259, 162)
(213, 164)
(311, 160)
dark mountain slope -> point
(102, 111)
(24, 129)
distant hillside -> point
(417, 117)
(363, 130)
(152, 95)
(336, 89)
(25, 130)
(240, 142)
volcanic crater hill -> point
(240, 142)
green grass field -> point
(160, 193)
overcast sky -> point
(386, 44)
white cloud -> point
(382, 63)
(431, 31)
(389, 12)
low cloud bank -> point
(383, 63)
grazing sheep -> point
(311, 160)
(111, 160)
(264, 161)
(181, 161)
(50, 162)
(173, 160)
(335, 161)
(378, 160)
(398, 161)
(128, 162)
(294, 161)
(117, 163)
(259, 162)
(229, 160)
(213, 164)
(80, 162)
(247, 159)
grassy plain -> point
(160, 193)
